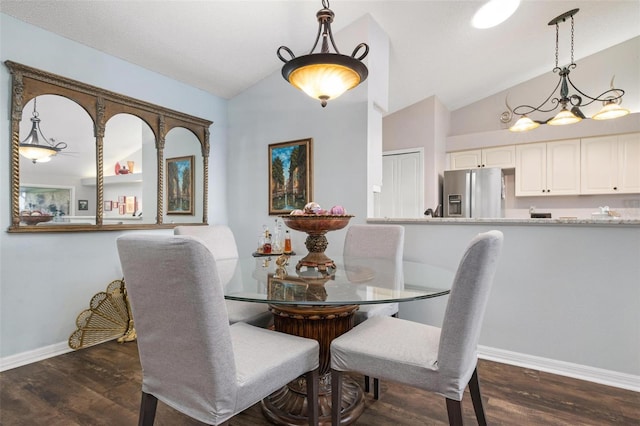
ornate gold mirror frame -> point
(101, 105)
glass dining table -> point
(321, 304)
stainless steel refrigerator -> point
(474, 193)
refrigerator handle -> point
(472, 193)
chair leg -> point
(148, 406)
(476, 398)
(336, 397)
(313, 385)
(376, 388)
(454, 409)
(366, 384)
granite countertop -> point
(613, 221)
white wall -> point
(565, 293)
(46, 280)
(421, 125)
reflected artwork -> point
(180, 185)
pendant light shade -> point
(324, 75)
(611, 110)
(524, 124)
(564, 117)
(31, 147)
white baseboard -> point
(24, 358)
(562, 368)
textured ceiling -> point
(224, 47)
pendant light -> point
(31, 147)
(570, 112)
(324, 75)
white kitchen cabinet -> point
(610, 164)
(550, 168)
(502, 156)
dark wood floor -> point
(101, 386)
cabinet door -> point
(402, 192)
(466, 159)
(531, 169)
(503, 157)
(598, 165)
(563, 167)
(628, 163)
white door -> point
(402, 194)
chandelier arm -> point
(358, 47)
(600, 96)
(315, 43)
(539, 107)
(333, 43)
(286, 49)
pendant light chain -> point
(557, 41)
(572, 39)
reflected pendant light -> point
(324, 75)
(570, 104)
(31, 147)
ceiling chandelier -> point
(324, 75)
(570, 104)
(31, 147)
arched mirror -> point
(129, 156)
(184, 176)
(51, 190)
(97, 160)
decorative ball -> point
(337, 210)
(296, 212)
(312, 208)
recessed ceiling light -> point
(494, 12)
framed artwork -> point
(121, 208)
(130, 204)
(107, 206)
(48, 199)
(180, 185)
(115, 204)
(83, 204)
(294, 289)
(290, 175)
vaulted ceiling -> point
(224, 47)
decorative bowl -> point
(315, 226)
(35, 219)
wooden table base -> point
(288, 406)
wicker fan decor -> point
(108, 318)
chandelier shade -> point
(32, 148)
(570, 104)
(324, 75)
(524, 124)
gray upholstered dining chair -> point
(220, 241)
(380, 242)
(440, 360)
(192, 359)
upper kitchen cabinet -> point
(502, 156)
(551, 168)
(611, 164)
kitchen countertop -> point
(613, 221)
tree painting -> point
(180, 185)
(290, 184)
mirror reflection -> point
(184, 172)
(51, 187)
(129, 155)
